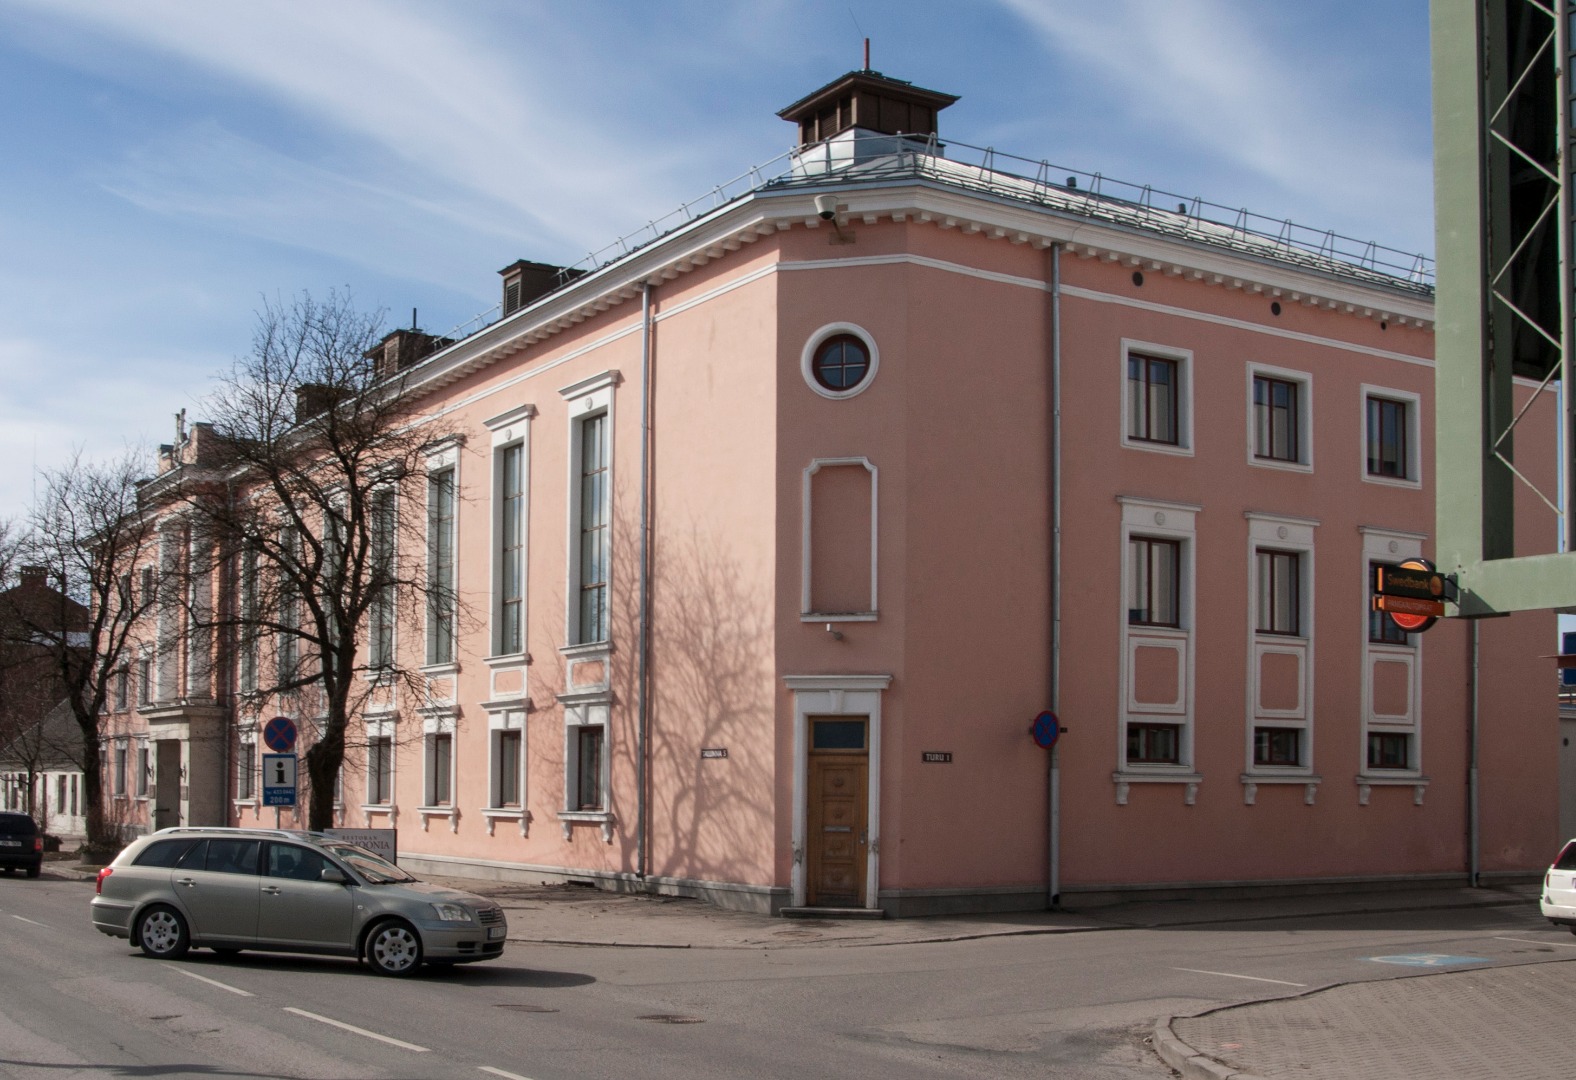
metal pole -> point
(1054, 786)
(642, 769)
(1474, 838)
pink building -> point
(781, 529)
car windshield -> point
(378, 871)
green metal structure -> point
(1504, 220)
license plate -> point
(494, 933)
(10, 843)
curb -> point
(1188, 1061)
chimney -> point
(34, 577)
(866, 103)
(315, 398)
(402, 348)
(525, 282)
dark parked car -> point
(282, 891)
(21, 843)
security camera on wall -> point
(826, 206)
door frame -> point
(836, 695)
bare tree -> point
(83, 538)
(322, 455)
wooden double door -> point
(838, 840)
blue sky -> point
(169, 163)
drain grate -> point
(525, 1008)
(670, 1018)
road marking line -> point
(500, 1072)
(1530, 941)
(19, 918)
(358, 1031)
(214, 982)
(1229, 975)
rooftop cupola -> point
(866, 102)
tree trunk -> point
(323, 762)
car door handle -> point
(271, 890)
(186, 881)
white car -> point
(1559, 889)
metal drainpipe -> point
(1054, 793)
(642, 777)
(1474, 837)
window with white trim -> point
(119, 789)
(144, 767)
(441, 596)
(381, 526)
(586, 764)
(509, 612)
(1391, 443)
(1280, 422)
(380, 770)
(1157, 405)
(506, 748)
(1155, 728)
(287, 648)
(440, 768)
(1391, 684)
(246, 769)
(590, 508)
(246, 671)
(1280, 658)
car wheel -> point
(393, 948)
(34, 871)
(162, 933)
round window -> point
(841, 363)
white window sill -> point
(570, 818)
(507, 660)
(246, 804)
(1392, 481)
(495, 814)
(1123, 778)
(1280, 466)
(1267, 774)
(1367, 781)
(452, 667)
(838, 616)
(377, 808)
(586, 649)
(1174, 449)
(429, 812)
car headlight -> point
(451, 913)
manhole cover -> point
(526, 1008)
(671, 1018)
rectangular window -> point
(1153, 744)
(144, 767)
(594, 538)
(380, 770)
(1389, 750)
(246, 771)
(1275, 418)
(1277, 746)
(1388, 450)
(60, 794)
(509, 768)
(588, 774)
(144, 679)
(380, 630)
(511, 550)
(1280, 592)
(122, 689)
(248, 630)
(1153, 391)
(440, 567)
(288, 647)
(74, 794)
(120, 769)
(1154, 582)
(440, 765)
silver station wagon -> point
(281, 891)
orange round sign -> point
(1416, 624)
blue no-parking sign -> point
(279, 735)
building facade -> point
(776, 534)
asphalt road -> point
(76, 1004)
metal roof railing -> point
(856, 157)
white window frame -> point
(586, 400)
(246, 766)
(447, 459)
(501, 721)
(580, 711)
(382, 727)
(819, 338)
(378, 667)
(1304, 383)
(1183, 358)
(142, 766)
(873, 613)
(510, 431)
(1391, 546)
(1414, 449)
(1280, 533)
(438, 724)
(1163, 520)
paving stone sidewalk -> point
(1505, 1023)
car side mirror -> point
(333, 874)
